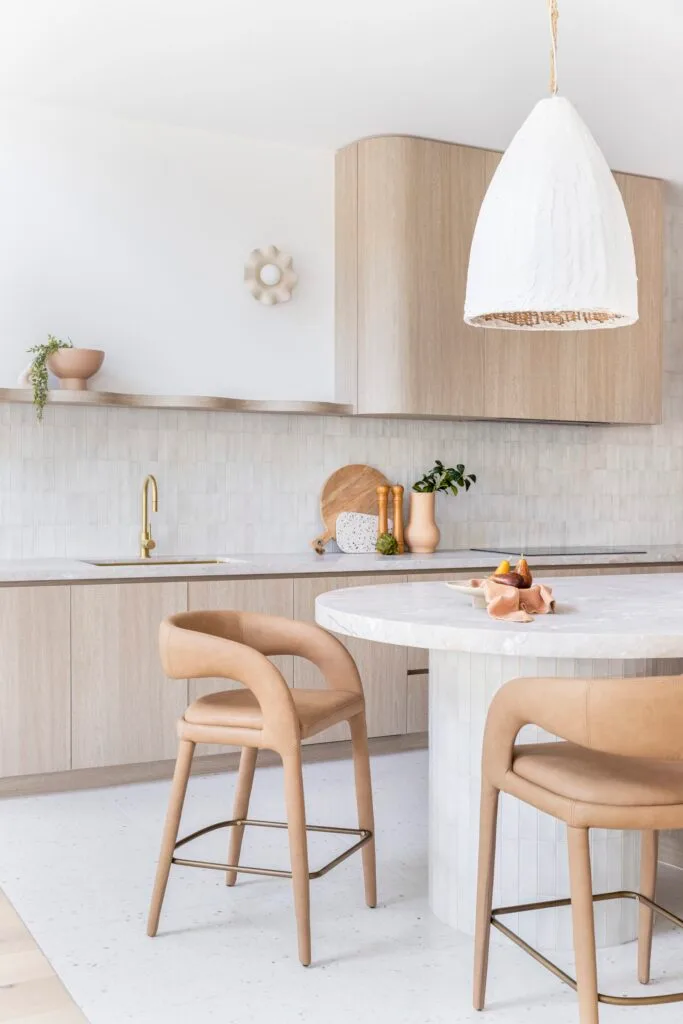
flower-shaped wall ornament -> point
(269, 276)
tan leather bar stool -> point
(264, 713)
(621, 767)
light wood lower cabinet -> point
(82, 685)
(35, 734)
(124, 709)
(270, 597)
(383, 667)
(605, 570)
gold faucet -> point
(147, 543)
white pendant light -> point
(552, 249)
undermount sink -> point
(142, 562)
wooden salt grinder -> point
(383, 509)
(397, 491)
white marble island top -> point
(303, 563)
(597, 617)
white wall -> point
(132, 237)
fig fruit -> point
(512, 579)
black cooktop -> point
(560, 550)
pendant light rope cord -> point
(554, 15)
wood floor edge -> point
(32, 990)
(119, 775)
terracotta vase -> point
(422, 535)
(74, 366)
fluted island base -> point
(531, 857)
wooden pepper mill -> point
(397, 491)
(383, 509)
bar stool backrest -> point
(237, 645)
(630, 717)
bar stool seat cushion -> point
(593, 777)
(587, 788)
(239, 709)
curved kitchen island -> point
(603, 626)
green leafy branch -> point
(442, 479)
(38, 371)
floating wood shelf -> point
(201, 402)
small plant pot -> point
(422, 535)
(74, 366)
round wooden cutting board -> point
(349, 489)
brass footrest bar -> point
(364, 834)
(622, 894)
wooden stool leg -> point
(649, 844)
(366, 817)
(298, 848)
(487, 858)
(240, 809)
(583, 923)
(175, 809)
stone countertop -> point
(596, 617)
(62, 570)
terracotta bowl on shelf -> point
(74, 366)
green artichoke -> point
(387, 544)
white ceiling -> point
(324, 72)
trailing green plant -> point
(387, 544)
(38, 371)
(442, 479)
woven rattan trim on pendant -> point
(532, 318)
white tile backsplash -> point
(249, 482)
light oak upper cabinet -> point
(405, 215)
(619, 372)
(35, 731)
(124, 709)
(406, 210)
(608, 376)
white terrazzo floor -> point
(78, 868)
